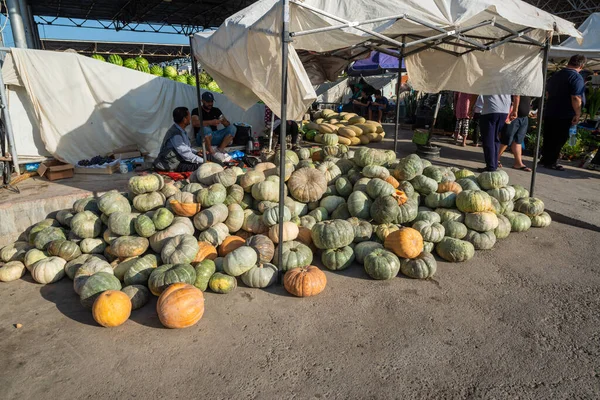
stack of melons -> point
(349, 128)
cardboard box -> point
(98, 171)
(54, 170)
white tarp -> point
(244, 54)
(333, 92)
(590, 47)
(79, 107)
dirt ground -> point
(519, 321)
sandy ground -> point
(519, 321)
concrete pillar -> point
(27, 23)
(16, 23)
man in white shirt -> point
(493, 117)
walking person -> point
(493, 117)
(463, 103)
(476, 117)
(565, 99)
(513, 134)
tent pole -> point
(198, 98)
(435, 115)
(398, 84)
(540, 118)
(285, 40)
(8, 125)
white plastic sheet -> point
(244, 54)
(79, 107)
(590, 47)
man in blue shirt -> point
(380, 105)
(565, 94)
(176, 153)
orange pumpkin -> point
(185, 209)
(305, 237)
(449, 187)
(206, 251)
(180, 305)
(400, 197)
(305, 281)
(230, 244)
(392, 181)
(112, 308)
(405, 243)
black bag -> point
(242, 135)
(251, 161)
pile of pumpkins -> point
(176, 240)
(331, 129)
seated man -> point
(291, 130)
(362, 104)
(212, 117)
(380, 105)
(176, 153)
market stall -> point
(589, 46)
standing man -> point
(493, 117)
(380, 105)
(514, 132)
(565, 94)
(176, 153)
(214, 138)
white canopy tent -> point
(590, 47)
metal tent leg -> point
(285, 40)
(8, 125)
(435, 116)
(397, 124)
(198, 98)
(27, 24)
(540, 119)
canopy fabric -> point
(590, 47)
(79, 107)
(244, 54)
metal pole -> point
(35, 30)
(27, 23)
(16, 23)
(8, 125)
(435, 115)
(285, 40)
(198, 98)
(397, 124)
(540, 118)
(271, 135)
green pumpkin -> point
(441, 200)
(367, 156)
(81, 274)
(428, 246)
(204, 270)
(138, 294)
(92, 246)
(86, 225)
(303, 154)
(144, 226)
(363, 230)
(211, 216)
(95, 285)
(120, 267)
(503, 194)
(266, 191)
(341, 212)
(40, 226)
(12, 270)
(47, 235)
(253, 223)
(354, 175)
(294, 255)
(235, 195)
(139, 271)
(518, 222)
(424, 185)
(14, 252)
(378, 188)
(32, 256)
(455, 229)
(407, 188)
(179, 226)
(345, 165)
(205, 174)
(343, 186)
(363, 249)
(434, 173)
(290, 157)
(481, 221)
(240, 260)
(87, 204)
(470, 201)
(493, 180)
(383, 230)
(165, 275)
(408, 168)
(430, 216)
(463, 173)
(149, 201)
(330, 191)
(146, 184)
(48, 270)
(469, 183)
(385, 210)
(530, 206)
(72, 266)
(215, 235)
(181, 249)
(332, 234)
(214, 194)
(407, 212)
(337, 259)
(382, 264)
(376, 171)
(162, 219)
(112, 202)
(330, 203)
(359, 205)
(64, 217)
(330, 170)
(306, 164)
(129, 246)
(505, 207)
(64, 249)
(481, 240)
(271, 216)
(541, 221)
(235, 218)
(422, 267)
(251, 178)
(122, 224)
(308, 221)
(226, 178)
(260, 276)
(503, 229)
(455, 250)
(361, 185)
(222, 283)
(431, 231)
(520, 192)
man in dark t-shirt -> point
(215, 139)
(514, 131)
(565, 94)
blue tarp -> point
(377, 63)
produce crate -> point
(54, 170)
(98, 171)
